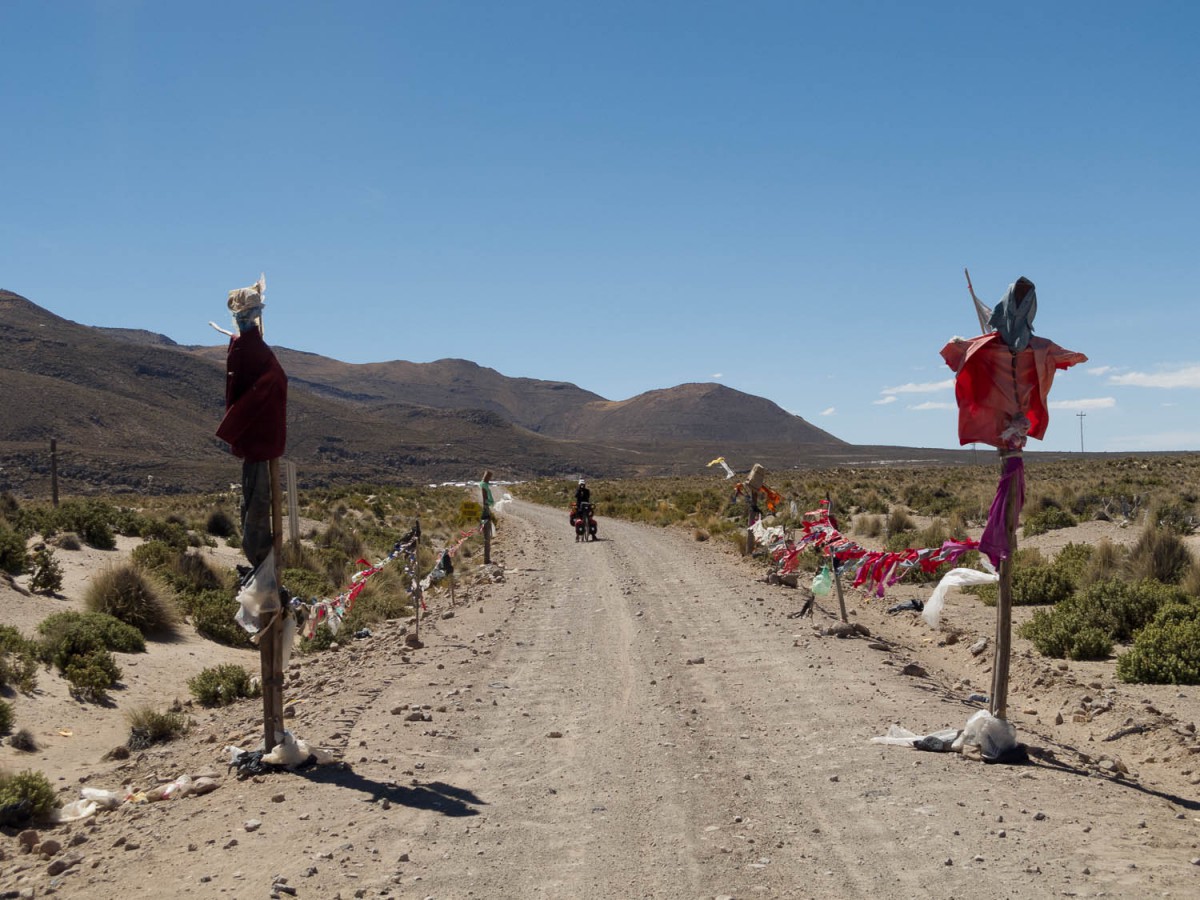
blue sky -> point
(626, 195)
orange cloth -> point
(993, 393)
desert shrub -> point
(1049, 518)
(90, 675)
(154, 556)
(13, 558)
(1167, 651)
(222, 685)
(1113, 609)
(68, 540)
(383, 597)
(1031, 586)
(1066, 632)
(18, 660)
(212, 612)
(1177, 518)
(1130, 606)
(700, 534)
(929, 500)
(305, 583)
(6, 717)
(90, 519)
(25, 796)
(871, 502)
(9, 505)
(221, 524)
(1191, 580)
(342, 538)
(125, 593)
(1072, 562)
(24, 741)
(322, 639)
(899, 520)
(67, 635)
(148, 727)
(173, 534)
(1106, 562)
(1159, 554)
(47, 573)
(868, 526)
(191, 573)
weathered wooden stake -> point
(416, 580)
(837, 572)
(270, 644)
(293, 496)
(54, 471)
(999, 703)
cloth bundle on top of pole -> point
(255, 427)
(1001, 383)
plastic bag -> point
(259, 596)
(823, 582)
(994, 737)
(103, 799)
(932, 613)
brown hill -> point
(126, 404)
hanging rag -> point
(1002, 395)
(1013, 316)
(255, 423)
(994, 540)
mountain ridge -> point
(126, 403)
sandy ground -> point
(637, 717)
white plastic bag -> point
(994, 737)
(932, 613)
(259, 596)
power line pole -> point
(1081, 416)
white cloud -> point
(1097, 370)
(716, 375)
(1180, 377)
(1089, 403)
(926, 387)
(883, 401)
(932, 404)
(829, 412)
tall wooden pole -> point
(837, 572)
(270, 644)
(54, 471)
(999, 702)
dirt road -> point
(635, 717)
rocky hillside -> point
(125, 404)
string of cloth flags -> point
(332, 611)
(874, 571)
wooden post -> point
(487, 541)
(999, 702)
(54, 471)
(837, 573)
(293, 496)
(270, 644)
(416, 581)
(753, 482)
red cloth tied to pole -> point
(255, 423)
(994, 387)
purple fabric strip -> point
(994, 541)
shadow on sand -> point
(435, 796)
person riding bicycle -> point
(582, 494)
